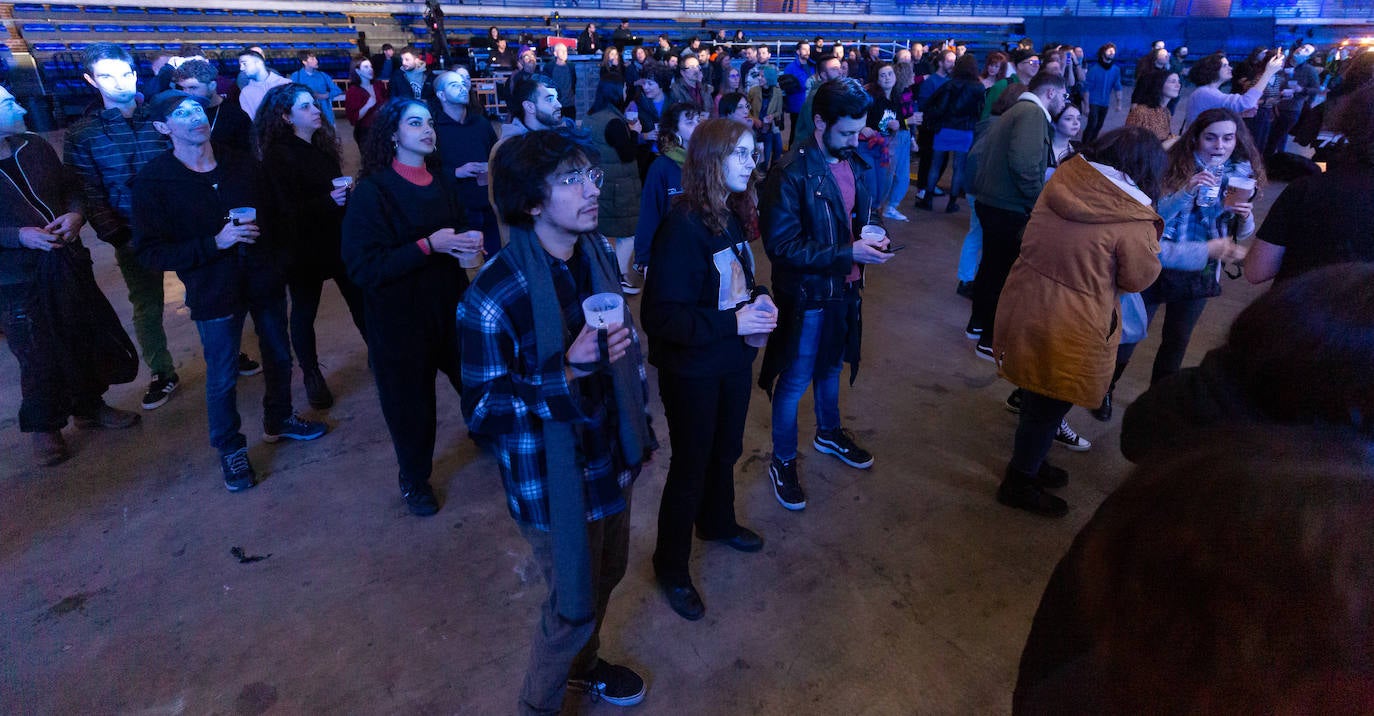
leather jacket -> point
(808, 238)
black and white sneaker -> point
(786, 486)
(840, 443)
(1013, 403)
(248, 366)
(238, 472)
(973, 331)
(160, 390)
(984, 351)
(294, 428)
(1070, 439)
(612, 683)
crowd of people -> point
(504, 259)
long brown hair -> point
(703, 180)
(1182, 156)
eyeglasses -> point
(744, 156)
(591, 175)
(1032, 62)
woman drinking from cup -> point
(300, 159)
(705, 317)
(1202, 223)
(402, 241)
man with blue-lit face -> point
(466, 139)
(205, 217)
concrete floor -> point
(904, 589)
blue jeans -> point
(220, 339)
(973, 245)
(901, 169)
(792, 385)
(872, 178)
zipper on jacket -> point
(29, 184)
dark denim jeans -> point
(792, 385)
(220, 339)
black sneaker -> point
(1070, 439)
(160, 390)
(1013, 404)
(614, 684)
(965, 289)
(984, 351)
(238, 472)
(317, 391)
(294, 428)
(786, 485)
(248, 366)
(973, 331)
(420, 500)
(840, 443)
(1103, 412)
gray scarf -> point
(567, 501)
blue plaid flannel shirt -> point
(507, 395)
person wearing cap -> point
(261, 78)
(49, 316)
(1025, 64)
(231, 269)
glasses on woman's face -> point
(590, 175)
(745, 156)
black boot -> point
(952, 207)
(925, 203)
(316, 390)
(1103, 412)
(1023, 492)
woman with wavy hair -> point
(705, 317)
(300, 160)
(1203, 221)
(403, 231)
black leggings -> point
(1097, 115)
(305, 306)
(1180, 317)
(1039, 422)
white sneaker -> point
(893, 214)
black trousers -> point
(48, 393)
(305, 293)
(1180, 317)
(1002, 231)
(925, 154)
(1097, 115)
(706, 428)
(1035, 431)
(409, 345)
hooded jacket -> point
(51, 183)
(1059, 322)
(1011, 158)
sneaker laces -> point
(1066, 433)
(238, 461)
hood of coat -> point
(1080, 193)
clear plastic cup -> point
(243, 215)
(469, 259)
(872, 232)
(1239, 190)
(341, 182)
(603, 310)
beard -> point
(842, 153)
(548, 119)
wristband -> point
(426, 247)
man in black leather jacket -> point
(812, 209)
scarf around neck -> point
(572, 580)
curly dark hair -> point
(1207, 69)
(379, 148)
(1182, 162)
(270, 126)
(1149, 89)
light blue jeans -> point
(901, 169)
(973, 245)
(825, 382)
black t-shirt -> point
(1324, 219)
